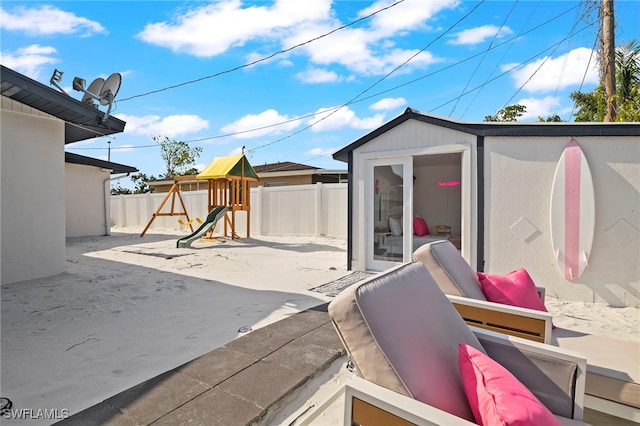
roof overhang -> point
(82, 121)
(72, 158)
(498, 129)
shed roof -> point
(550, 129)
(232, 165)
(70, 157)
(82, 121)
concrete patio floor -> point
(244, 382)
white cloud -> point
(479, 34)
(170, 126)
(317, 75)
(30, 60)
(359, 50)
(234, 25)
(236, 151)
(543, 107)
(325, 119)
(388, 103)
(47, 20)
(267, 122)
(557, 73)
(410, 15)
(367, 49)
(317, 152)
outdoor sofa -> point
(406, 340)
(613, 366)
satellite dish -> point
(104, 91)
(93, 90)
(110, 88)
(109, 91)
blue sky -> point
(271, 75)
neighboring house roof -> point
(88, 161)
(82, 121)
(232, 165)
(288, 168)
(491, 128)
(284, 166)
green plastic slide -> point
(213, 217)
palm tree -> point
(591, 106)
(627, 68)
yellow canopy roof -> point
(232, 165)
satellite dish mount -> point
(101, 90)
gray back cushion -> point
(551, 380)
(402, 333)
(450, 270)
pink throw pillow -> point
(515, 288)
(495, 396)
(420, 227)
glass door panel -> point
(386, 242)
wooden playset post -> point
(175, 190)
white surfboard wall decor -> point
(572, 212)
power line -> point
(554, 46)
(540, 66)
(375, 83)
(358, 98)
(495, 36)
(265, 58)
(504, 55)
(584, 76)
(481, 86)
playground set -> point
(228, 191)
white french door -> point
(388, 212)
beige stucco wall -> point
(32, 206)
(518, 180)
(85, 200)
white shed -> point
(487, 187)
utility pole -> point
(608, 59)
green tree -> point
(589, 106)
(508, 113)
(629, 109)
(177, 155)
(627, 69)
(554, 118)
(119, 190)
(592, 106)
(190, 171)
(141, 182)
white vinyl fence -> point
(297, 210)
